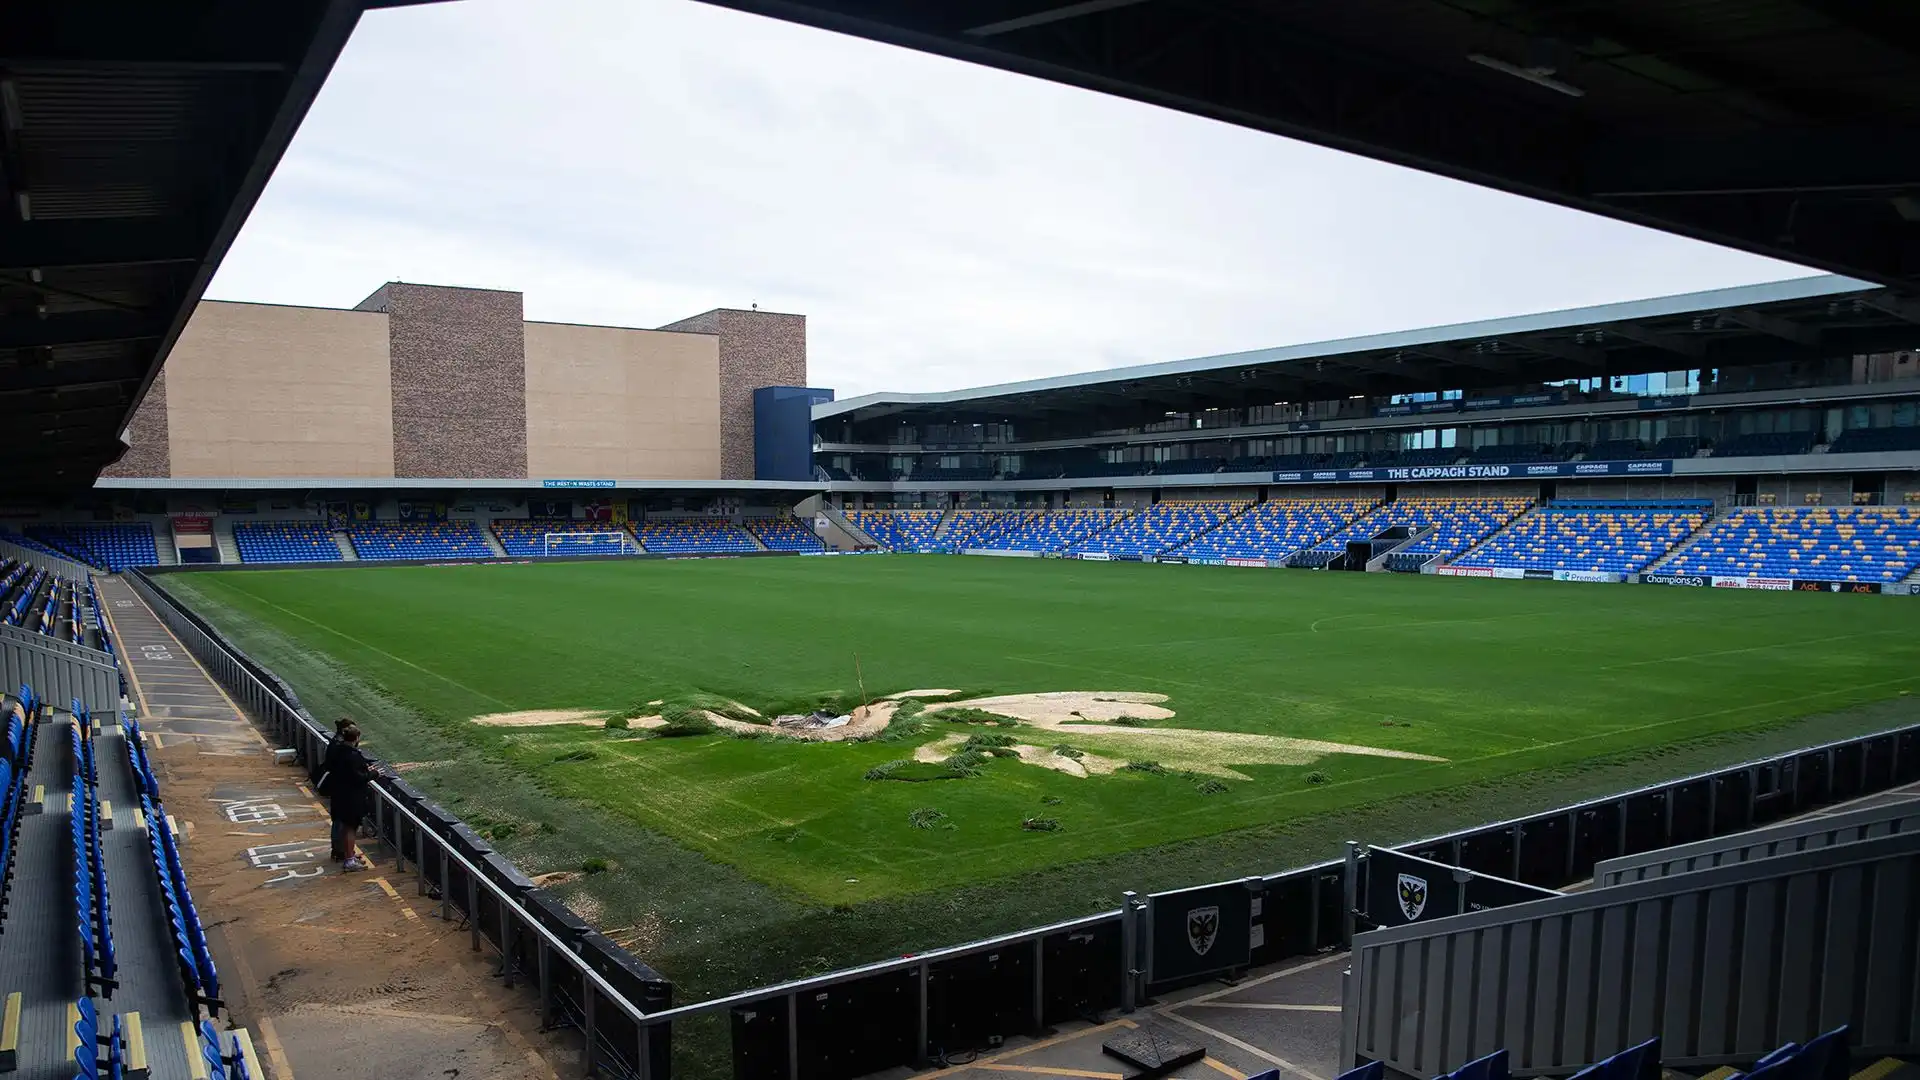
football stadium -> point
(1527, 697)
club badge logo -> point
(1203, 926)
(1413, 896)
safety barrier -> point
(1723, 965)
(1825, 830)
(69, 568)
(904, 1011)
(59, 670)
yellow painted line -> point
(10, 1033)
(1041, 1045)
(304, 790)
(136, 1037)
(387, 887)
(1222, 1066)
(1043, 1070)
(196, 1064)
(154, 738)
(1262, 1005)
(139, 819)
(40, 795)
(1271, 1059)
(73, 1037)
(408, 912)
(1268, 977)
(249, 834)
(1884, 1067)
(247, 1054)
(275, 1052)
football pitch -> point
(1286, 694)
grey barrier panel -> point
(1825, 830)
(59, 671)
(78, 571)
(1724, 965)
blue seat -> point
(1491, 1067)
(210, 1052)
(1372, 1070)
(1635, 1063)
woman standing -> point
(346, 777)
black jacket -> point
(348, 777)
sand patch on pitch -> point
(1083, 718)
(546, 718)
(922, 694)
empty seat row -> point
(784, 534)
(387, 540)
(98, 1053)
(1620, 539)
(286, 542)
(695, 536)
(901, 530)
(1838, 543)
(533, 538)
(191, 954)
(1876, 441)
(1055, 530)
(93, 913)
(111, 546)
(16, 757)
(1158, 528)
(1276, 529)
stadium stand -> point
(96, 1054)
(1158, 528)
(1619, 538)
(1275, 529)
(900, 530)
(1444, 455)
(1055, 530)
(111, 547)
(981, 529)
(16, 754)
(1774, 444)
(525, 538)
(191, 952)
(1826, 543)
(1456, 526)
(285, 542)
(695, 536)
(784, 534)
(382, 540)
(92, 907)
(1876, 441)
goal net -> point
(584, 543)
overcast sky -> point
(942, 225)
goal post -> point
(608, 542)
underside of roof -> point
(1786, 127)
(1806, 319)
(134, 140)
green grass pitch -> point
(1498, 678)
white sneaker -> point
(354, 864)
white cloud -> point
(942, 224)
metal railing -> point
(1825, 830)
(1723, 965)
(65, 567)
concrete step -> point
(345, 545)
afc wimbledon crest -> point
(1413, 896)
(1203, 926)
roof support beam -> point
(1595, 359)
(1773, 325)
(1895, 305)
(42, 245)
(80, 327)
(1692, 350)
(1054, 14)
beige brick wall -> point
(268, 390)
(612, 403)
(757, 348)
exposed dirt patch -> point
(1088, 715)
(865, 721)
(544, 718)
(557, 877)
(1067, 706)
(922, 694)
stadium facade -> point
(1766, 435)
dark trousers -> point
(342, 835)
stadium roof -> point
(1804, 318)
(1785, 127)
(134, 140)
